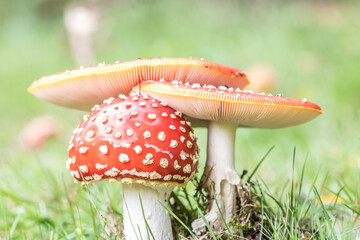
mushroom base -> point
(149, 209)
(221, 174)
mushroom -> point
(146, 145)
(103, 81)
(226, 109)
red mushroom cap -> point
(104, 81)
(135, 138)
(245, 108)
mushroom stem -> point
(135, 213)
(219, 172)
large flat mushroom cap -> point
(226, 104)
(84, 87)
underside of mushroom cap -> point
(84, 87)
(245, 108)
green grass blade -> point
(206, 223)
(179, 220)
(261, 161)
(146, 222)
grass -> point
(312, 46)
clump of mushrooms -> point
(146, 145)
(226, 109)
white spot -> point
(172, 127)
(183, 155)
(142, 104)
(173, 143)
(161, 136)
(71, 145)
(176, 165)
(182, 129)
(75, 174)
(195, 85)
(88, 178)
(178, 177)
(128, 105)
(146, 97)
(164, 162)
(104, 120)
(129, 132)
(90, 133)
(122, 96)
(83, 150)
(135, 98)
(108, 130)
(172, 116)
(188, 123)
(146, 134)
(69, 162)
(118, 134)
(95, 108)
(194, 159)
(133, 113)
(164, 114)
(112, 172)
(245, 91)
(151, 116)
(187, 168)
(137, 124)
(222, 88)
(192, 136)
(124, 158)
(138, 149)
(154, 105)
(100, 166)
(167, 177)
(304, 100)
(103, 149)
(155, 175)
(163, 104)
(78, 139)
(108, 101)
(97, 177)
(179, 114)
(182, 139)
(189, 144)
(183, 122)
(148, 159)
(119, 116)
(84, 168)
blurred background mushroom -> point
(262, 78)
(81, 22)
(38, 131)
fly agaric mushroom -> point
(226, 109)
(146, 145)
(104, 81)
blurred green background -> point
(311, 47)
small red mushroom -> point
(143, 143)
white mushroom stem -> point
(220, 172)
(157, 216)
